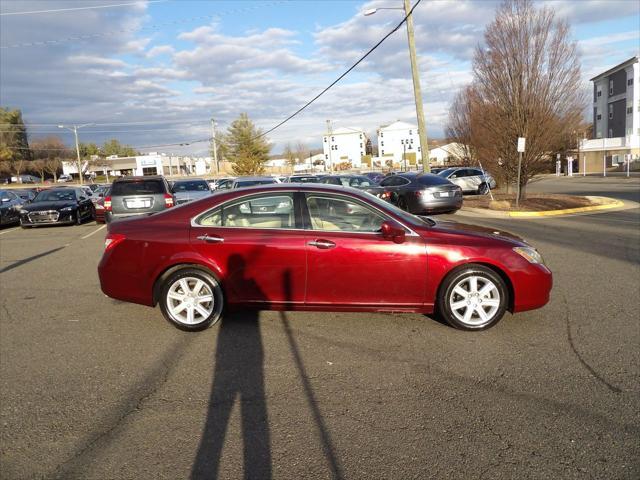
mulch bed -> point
(533, 202)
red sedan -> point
(317, 247)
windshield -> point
(137, 187)
(446, 173)
(56, 196)
(249, 183)
(199, 186)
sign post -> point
(521, 143)
(558, 165)
(569, 166)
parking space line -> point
(95, 231)
(10, 230)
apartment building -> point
(400, 142)
(344, 147)
(616, 118)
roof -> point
(620, 66)
(398, 125)
(346, 131)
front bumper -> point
(48, 217)
(532, 288)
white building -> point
(150, 164)
(344, 145)
(616, 118)
(400, 142)
(449, 154)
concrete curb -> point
(604, 203)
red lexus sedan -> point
(317, 247)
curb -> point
(604, 203)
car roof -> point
(190, 180)
(243, 179)
(135, 178)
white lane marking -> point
(95, 231)
(10, 230)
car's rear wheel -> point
(191, 299)
(473, 298)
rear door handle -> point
(210, 239)
(322, 244)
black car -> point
(26, 194)
(9, 207)
(56, 206)
(375, 176)
(422, 193)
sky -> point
(153, 73)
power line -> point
(73, 9)
(156, 26)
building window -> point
(610, 111)
(610, 86)
(381, 134)
(361, 145)
(630, 82)
(333, 139)
(610, 133)
(599, 117)
(410, 132)
(326, 157)
(629, 110)
(412, 140)
(599, 93)
(325, 139)
(382, 144)
(382, 152)
(360, 136)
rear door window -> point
(137, 187)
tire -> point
(464, 312)
(402, 204)
(24, 225)
(483, 189)
(78, 218)
(190, 318)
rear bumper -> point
(437, 205)
(112, 217)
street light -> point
(74, 129)
(417, 91)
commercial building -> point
(616, 119)
(400, 143)
(150, 164)
(344, 148)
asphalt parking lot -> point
(93, 388)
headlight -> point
(67, 209)
(530, 254)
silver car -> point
(470, 179)
(187, 190)
(132, 196)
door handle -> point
(322, 244)
(210, 239)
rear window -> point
(429, 179)
(191, 186)
(250, 183)
(137, 187)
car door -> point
(394, 185)
(349, 263)
(258, 245)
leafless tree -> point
(51, 151)
(526, 84)
(39, 166)
(459, 126)
(53, 166)
(301, 152)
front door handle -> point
(210, 239)
(322, 244)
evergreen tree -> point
(246, 149)
(14, 146)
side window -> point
(266, 211)
(402, 181)
(211, 219)
(387, 182)
(341, 215)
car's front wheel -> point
(483, 189)
(473, 298)
(191, 299)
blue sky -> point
(152, 73)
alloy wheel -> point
(474, 300)
(190, 300)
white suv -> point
(471, 180)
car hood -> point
(191, 195)
(448, 226)
(49, 205)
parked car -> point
(26, 194)
(133, 196)
(65, 178)
(10, 204)
(186, 190)
(356, 181)
(471, 180)
(98, 205)
(224, 183)
(302, 179)
(278, 247)
(436, 170)
(243, 182)
(59, 205)
(422, 193)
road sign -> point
(521, 141)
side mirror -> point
(392, 231)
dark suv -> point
(132, 196)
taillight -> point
(168, 200)
(107, 204)
(113, 239)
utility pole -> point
(417, 91)
(329, 132)
(74, 129)
(215, 146)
